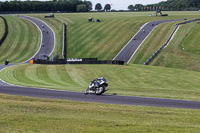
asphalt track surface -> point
(77, 96)
(132, 46)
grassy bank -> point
(20, 44)
(135, 80)
(183, 51)
(27, 115)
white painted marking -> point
(172, 36)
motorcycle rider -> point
(97, 86)
(96, 82)
(6, 62)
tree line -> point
(169, 5)
(98, 7)
(54, 5)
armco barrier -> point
(6, 31)
(166, 43)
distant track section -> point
(133, 45)
(47, 40)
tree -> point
(82, 8)
(88, 4)
(130, 7)
(107, 7)
(98, 7)
(138, 6)
(48, 6)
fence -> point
(166, 43)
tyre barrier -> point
(6, 31)
(48, 17)
(78, 61)
(51, 15)
(166, 43)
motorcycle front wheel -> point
(86, 91)
(100, 90)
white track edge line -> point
(173, 36)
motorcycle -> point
(97, 86)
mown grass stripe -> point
(29, 41)
(20, 43)
(26, 80)
(59, 74)
(97, 33)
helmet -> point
(102, 78)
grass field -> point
(2, 27)
(183, 52)
(20, 44)
(135, 80)
(105, 39)
(27, 115)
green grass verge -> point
(22, 42)
(27, 115)
(105, 39)
(2, 28)
(134, 80)
(183, 52)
